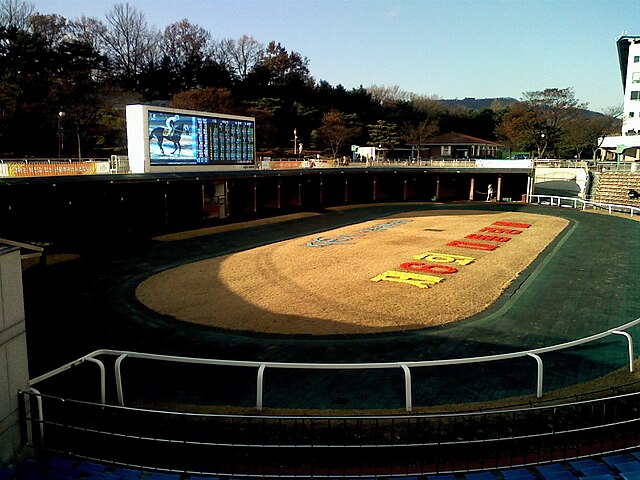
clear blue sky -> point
(446, 48)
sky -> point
(443, 48)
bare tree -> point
(130, 44)
(388, 96)
(15, 14)
(240, 56)
(89, 30)
(417, 135)
(184, 42)
(429, 107)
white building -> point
(629, 58)
(627, 145)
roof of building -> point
(454, 138)
(623, 54)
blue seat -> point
(517, 474)
(586, 464)
(630, 475)
(630, 466)
(127, 473)
(606, 476)
(555, 471)
(480, 476)
(7, 473)
(590, 468)
(31, 469)
(101, 476)
(163, 476)
(441, 477)
(60, 463)
(611, 460)
(90, 467)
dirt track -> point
(323, 284)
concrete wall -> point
(566, 182)
(14, 372)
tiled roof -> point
(453, 138)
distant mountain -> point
(477, 103)
(480, 103)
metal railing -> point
(330, 446)
(33, 251)
(261, 366)
(575, 202)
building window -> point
(630, 114)
(445, 150)
(635, 77)
(635, 95)
(636, 59)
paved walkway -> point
(586, 283)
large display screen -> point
(180, 139)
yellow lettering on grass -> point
(416, 279)
(444, 258)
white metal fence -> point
(261, 367)
(575, 202)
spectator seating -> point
(613, 187)
(624, 466)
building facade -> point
(629, 58)
(626, 147)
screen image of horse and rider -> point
(170, 138)
(187, 139)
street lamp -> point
(60, 141)
(295, 141)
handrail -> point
(573, 202)
(405, 365)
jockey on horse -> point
(170, 124)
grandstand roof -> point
(454, 138)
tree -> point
(186, 49)
(520, 127)
(76, 91)
(129, 43)
(384, 135)
(240, 56)
(53, 29)
(218, 100)
(587, 132)
(417, 135)
(387, 96)
(286, 68)
(15, 14)
(555, 107)
(88, 30)
(334, 132)
(428, 107)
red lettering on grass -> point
(489, 238)
(423, 267)
(512, 224)
(500, 230)
(472, 246)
